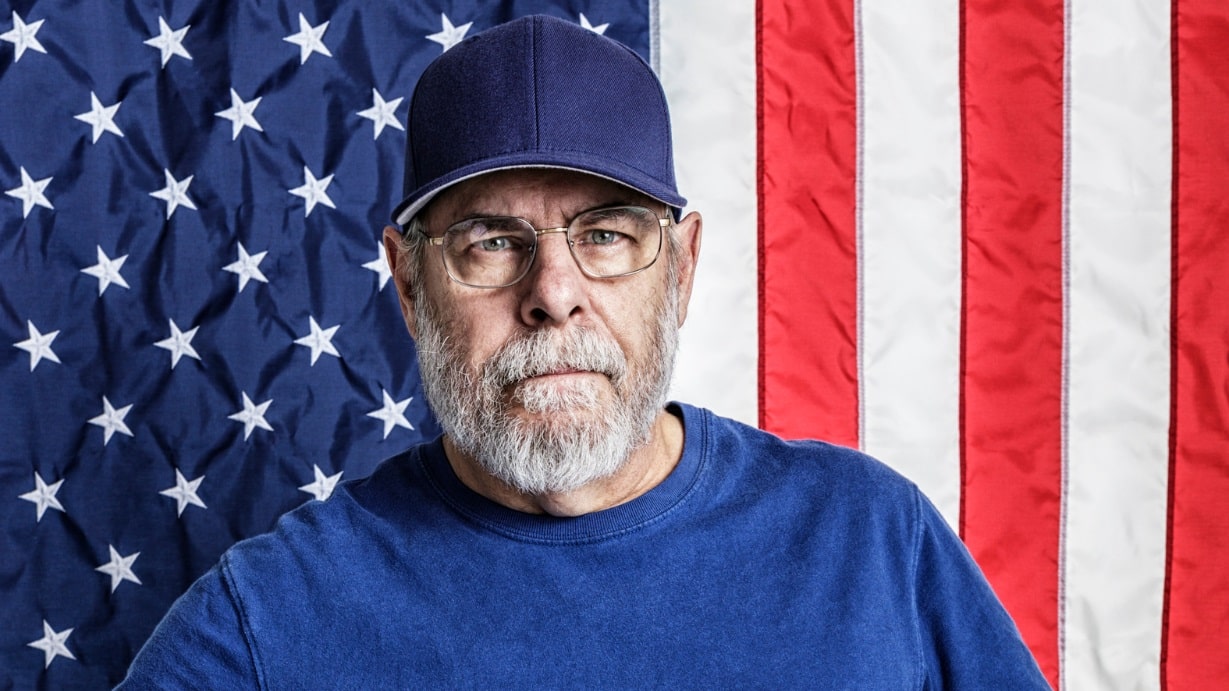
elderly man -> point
(571, 528)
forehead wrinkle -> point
(546, 198)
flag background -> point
(984, 242)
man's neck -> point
(646, 468)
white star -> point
(247, 267)
(310, 39)
(599, 29)
(111, 420)
(380, 266)
(319, 340)
(30, 193)
(22, 36)
(322, 487)
(38, 345)
(184, 492)
(382, 113)
(313, 191)
(252, 416)
(52, 644)
(101, 118)
(450, 35)
(179, 343)
(43, 496)
(119, 568)
(392, 413)
(175, 193)
(169, 42)
(241, 114)
(106, 271)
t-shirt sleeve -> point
(200, 643)
(968, 639)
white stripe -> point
(1118, 398)
(1065, 385)
(655, 36)
(708, 71)
(910, 237)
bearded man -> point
(571, 528)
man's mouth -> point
(562, 378)
(563, 371)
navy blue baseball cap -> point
(537, 92)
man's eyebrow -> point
(471, 215)
(476, 214)
(605, 205)
(608, 210)
(620, 202)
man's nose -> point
(555, 289)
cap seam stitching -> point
(537, 87)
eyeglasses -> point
(498, 251)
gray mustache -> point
(542, 352)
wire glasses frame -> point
(498, 251)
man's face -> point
(552, 382)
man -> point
(571, 528)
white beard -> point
(584, 430)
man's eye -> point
(602, 237)
(495, 244)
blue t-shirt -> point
(756, 563)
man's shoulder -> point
(357, 512)
(813, 468)
(732, 439)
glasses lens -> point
(616, 241)
(488, 252)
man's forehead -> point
(530, 191)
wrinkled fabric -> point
(757, 562)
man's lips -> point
(561, 375)
(564, 370)
(545, 376)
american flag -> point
(199, 328)
(990, 251)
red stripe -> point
(1195, 642)
(1012, 321)
(807, 272)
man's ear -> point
(687, 232)
(403, 274)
